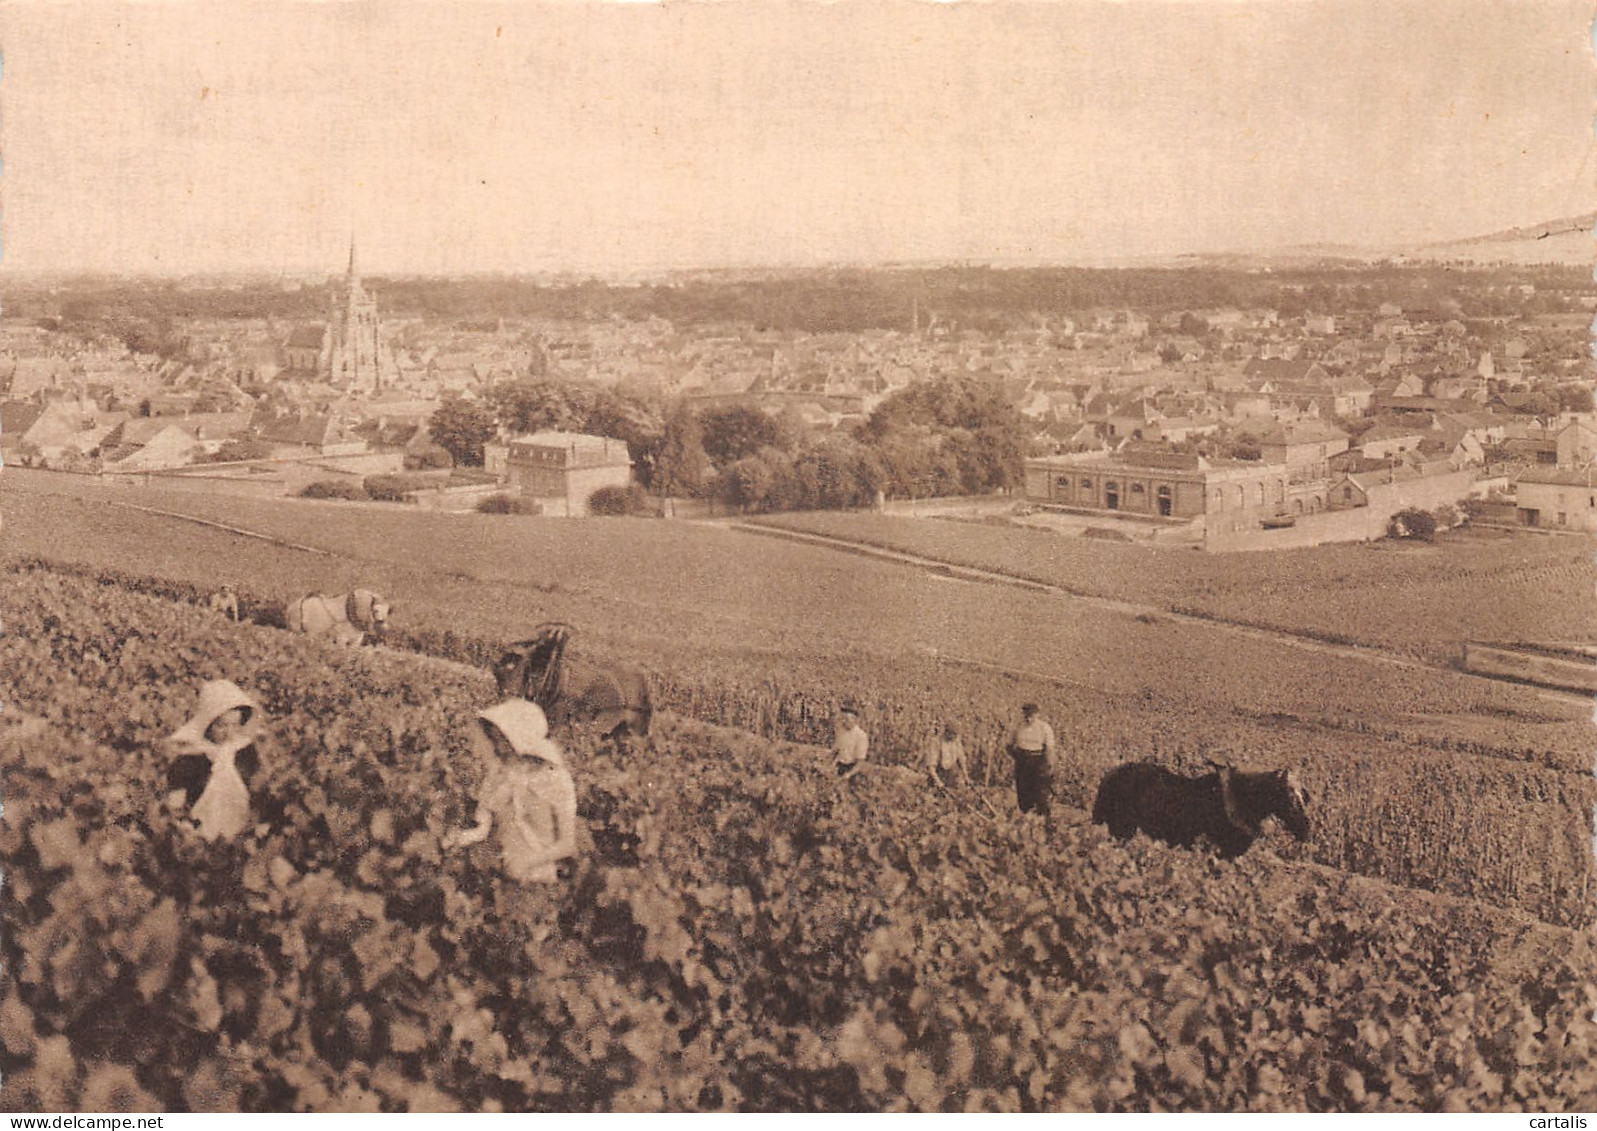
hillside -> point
(742, 935)
(1425, 777)
(1568, 240)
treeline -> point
(949, 436)
(984, 299)
(832, 301)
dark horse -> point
(616, 697)
(1229, 807)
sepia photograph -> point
(775, 556)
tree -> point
(1245, 445)
(1412, 523)
(681, 466)
(736, 432)
(1544, 406)
(535, 406)
(616, 501)
(1575, 398)
(240, 449)
(761, 482)
(461, 428)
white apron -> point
(223, 810)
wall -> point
(582, 482)
(1426, 494)
(949, 504)
(364, 463)
(255, 486)
(452, 498)
(1357, 525)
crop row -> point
(741, 933)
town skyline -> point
(606, 140)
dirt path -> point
(953, 570)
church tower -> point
(354, 338)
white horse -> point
(347, 617)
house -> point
(1349, 395)
(1409, 385)
(1386, 441)
(170, 446)
(1241, 406)
(302, 353)
(1484, 426)
(1176, 429)
(1131, 420)
(322, 433)
(1531, 449)
(1279, 371)
(562, 470)
(1458, 388)
(1463, 448)
(16, 417)
(1558, 498)
(30, 375)
(172, 404)
(1576, 444)
(1303, 446)
(66, 428)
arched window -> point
(1219, 499)
(1136, 489)
(1297, 506)
(1164, 500)
(1062, 481)
(1261, 494)
(1242, 497)
(1086, 484)
(1111, 495)
(1347, 494)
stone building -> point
(349, 352)
(562, 470)
(1225, 494)
(1558, 498)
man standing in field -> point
(945, 759)
(1032, 748)
(853, 746)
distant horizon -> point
(1149, 261)
(617, 139)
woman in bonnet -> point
(526, 797)
(215, 756)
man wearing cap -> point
(214, 753)
(1032, 748)
(526, 795)
(853, 745)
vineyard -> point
(1422, 600)
(741, 933)
(654, 588)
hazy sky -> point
(464, 136)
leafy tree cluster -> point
(947, 436)
(462, 426)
